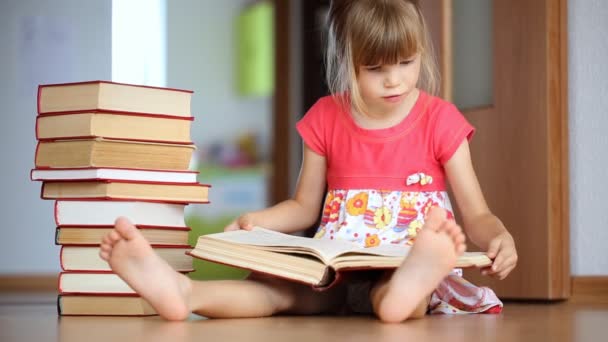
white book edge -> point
(117, 174)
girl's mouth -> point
(392, 98)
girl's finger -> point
(493, 249)
(497, 265)
(487, 271)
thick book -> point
(104, 152)
(101, 283)
(122, 126)
(103, 305)
(112, 96)
(111, 189)
(92, 283)
(94, 173)
(316, 262)
(86, 258)
(92, 235)
(104, 213)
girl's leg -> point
(378, 293)
(260, 296)
(174, 296)
(432, 257)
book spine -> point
(59, 305)
(56, 212)
(37, 130)
(38, 99)
(114, 112)
(36, 155)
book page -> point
(326, 249)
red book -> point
(97, 283)
(104, 213)
(113, 153)
(92, 235)
(113, 97)
(124, 126)
(121, 190)
(103, 305)
(318, 263)
(96, 173)
(86, 258)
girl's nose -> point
(391, 78)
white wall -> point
(40, 42)
(201, 57)
(588, 96)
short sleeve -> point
(451, 128)
(312, 128)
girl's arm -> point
(480, 224)
(299, 212)
(483, 228)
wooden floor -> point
(34, 318)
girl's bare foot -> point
(438, 245)
(133, 259)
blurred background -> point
(255, 67)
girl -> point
(385, 148)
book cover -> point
(113, 97)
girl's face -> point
(384, 87)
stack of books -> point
(107, 150)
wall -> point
(41, 42)
(201, 56)
(588, 90)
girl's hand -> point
(244, 221)
(502, 251)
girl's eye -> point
(373, 68)
(406, 62)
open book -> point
(315, 262)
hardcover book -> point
(93, 173)
(316, 262)
(104, 213)
(103, 305)
(86, 258)
(92, 235)
(103, 152)
(112, 96)
(113, 125)
(126, 190)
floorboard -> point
(33, 317)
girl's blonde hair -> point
(373, 32)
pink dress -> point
(382, 182)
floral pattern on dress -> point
(394, 216)
(373, 217)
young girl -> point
(386, 149)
